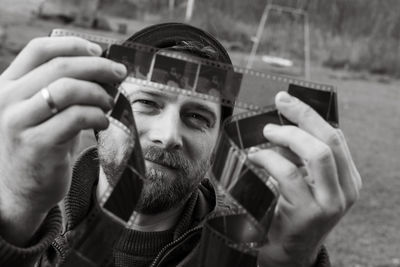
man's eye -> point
(146, 102)
(199, 120)
(143, 105)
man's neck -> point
(144, 222)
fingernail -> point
(119, 70)
(284, 97)
(270, 128)
(94, 49)
(253, 149)
(107, 122)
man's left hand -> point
(316, 194)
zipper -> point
(179, 239)
(60, 249)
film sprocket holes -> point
(228, 237)
(243, 89)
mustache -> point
(172, 159)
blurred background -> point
(351, 44)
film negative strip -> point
(233, 239)
(228, 238)
(120, 198)
(94, 238)
(241, 88)
(115, 209)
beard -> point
(162, 190)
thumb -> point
(74, 145)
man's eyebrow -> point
(151, 93)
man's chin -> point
(162, 191)
(155, 199)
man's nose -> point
(167, 132)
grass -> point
(369, 116)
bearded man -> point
(52, 91)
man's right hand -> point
(36, 146)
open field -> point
(370, 119)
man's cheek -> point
(141, 122)
(113, 143)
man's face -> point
(177, 134)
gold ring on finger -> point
(49, 100)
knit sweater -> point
(134, 248)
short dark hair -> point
(187, 39)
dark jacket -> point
(50, 244)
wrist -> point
(294, 263)
(277, 259)
(19, 221)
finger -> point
(283, 151)
(349, 159)
(95, 69)
(65, 92)
(302, 115)
(317, 156)
(309, 120)
(289, 155)
(67, 124)
(290, 179)
(349, 177)
(41, 50)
